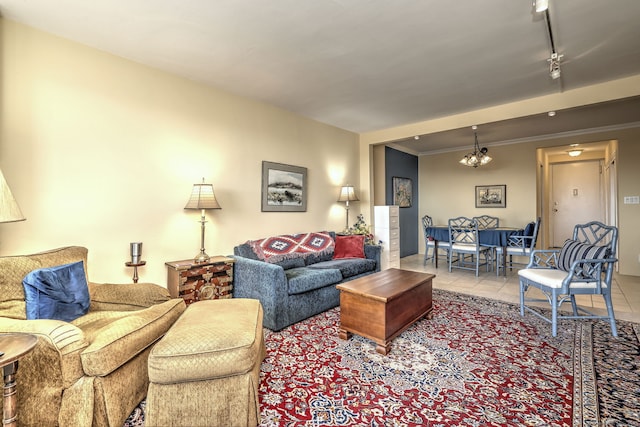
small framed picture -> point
(284, 188)
(491, 196)
(402, 192)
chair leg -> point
(612, 319)
(523, 289)
(554, 313)
(574, 305)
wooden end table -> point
(382, 305)
(200, 281)
(13, 347)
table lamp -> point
(9, 209)
(203, 198)
(347, 194)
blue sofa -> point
(297, 287)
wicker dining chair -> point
(584, 266)
(518, 245)
(430, 243)
(487, 221)
(464, 240)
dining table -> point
(496, 237)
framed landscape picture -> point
(402, 192)
(491, 196)
(284, 188)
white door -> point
(576, 197)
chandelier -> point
(479, 156)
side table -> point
(200, 281)
(13, 347)
(135, 266)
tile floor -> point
(626, 290)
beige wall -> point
(447, 189)
(100, 151)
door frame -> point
(605, 150)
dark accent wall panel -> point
(403, 165)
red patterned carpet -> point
(476, 363)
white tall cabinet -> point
(387, 230)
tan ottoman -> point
(206, 370)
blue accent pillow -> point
(58, 292)
(529, 229)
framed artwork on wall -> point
(284, 188)
(491, 196)
(402, 192)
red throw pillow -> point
(349, 246)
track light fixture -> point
(554, 65)
(554, 61)
(541, 5)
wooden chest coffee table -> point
(382, 305)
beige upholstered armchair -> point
(92, 370)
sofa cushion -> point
(304, 279)
(59, 292)
(351, 246)
(348, 267)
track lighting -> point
(541, 5)
(554, 65)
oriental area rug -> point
(476, 363)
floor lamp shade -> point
(202, 198)
(9, 209)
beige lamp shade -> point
(9, 209)
(202, 197)
(348, 194)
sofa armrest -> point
(126, 297)
(373, 252)
(265, 282)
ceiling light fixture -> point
(479, 156)
(574, 153)
(554, 65)
(554, 60)
(541, 5)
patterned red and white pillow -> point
(286, 246)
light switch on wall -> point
(631, 200)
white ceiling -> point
(365, 65)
